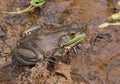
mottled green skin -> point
(37, 3)
(77, 38)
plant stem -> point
(21, 11)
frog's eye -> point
(72, 33)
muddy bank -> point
(97, 61)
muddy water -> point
(98, 59)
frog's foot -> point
(76, 49)
(72, 50)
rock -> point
(53, 10)
(2, 32)
(74, 25)
(7, 50)
(87, 45)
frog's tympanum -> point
(46, 44)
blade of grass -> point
(108, 24)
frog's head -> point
(37, 3)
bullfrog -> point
(44, 44)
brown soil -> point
(98, 60)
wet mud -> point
(94, 60)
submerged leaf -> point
(114, 16)
(107, 24)
(118, 3)
(104, 25)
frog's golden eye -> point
(72, 33)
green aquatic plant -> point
(77, 38)
(33, 5)
(118, 3)
(116, 15)
(112, 17)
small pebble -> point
(7, 50)
(74, 25)
(92, 76)
(87, 45)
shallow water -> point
(98, 60)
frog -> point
(47, 45)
